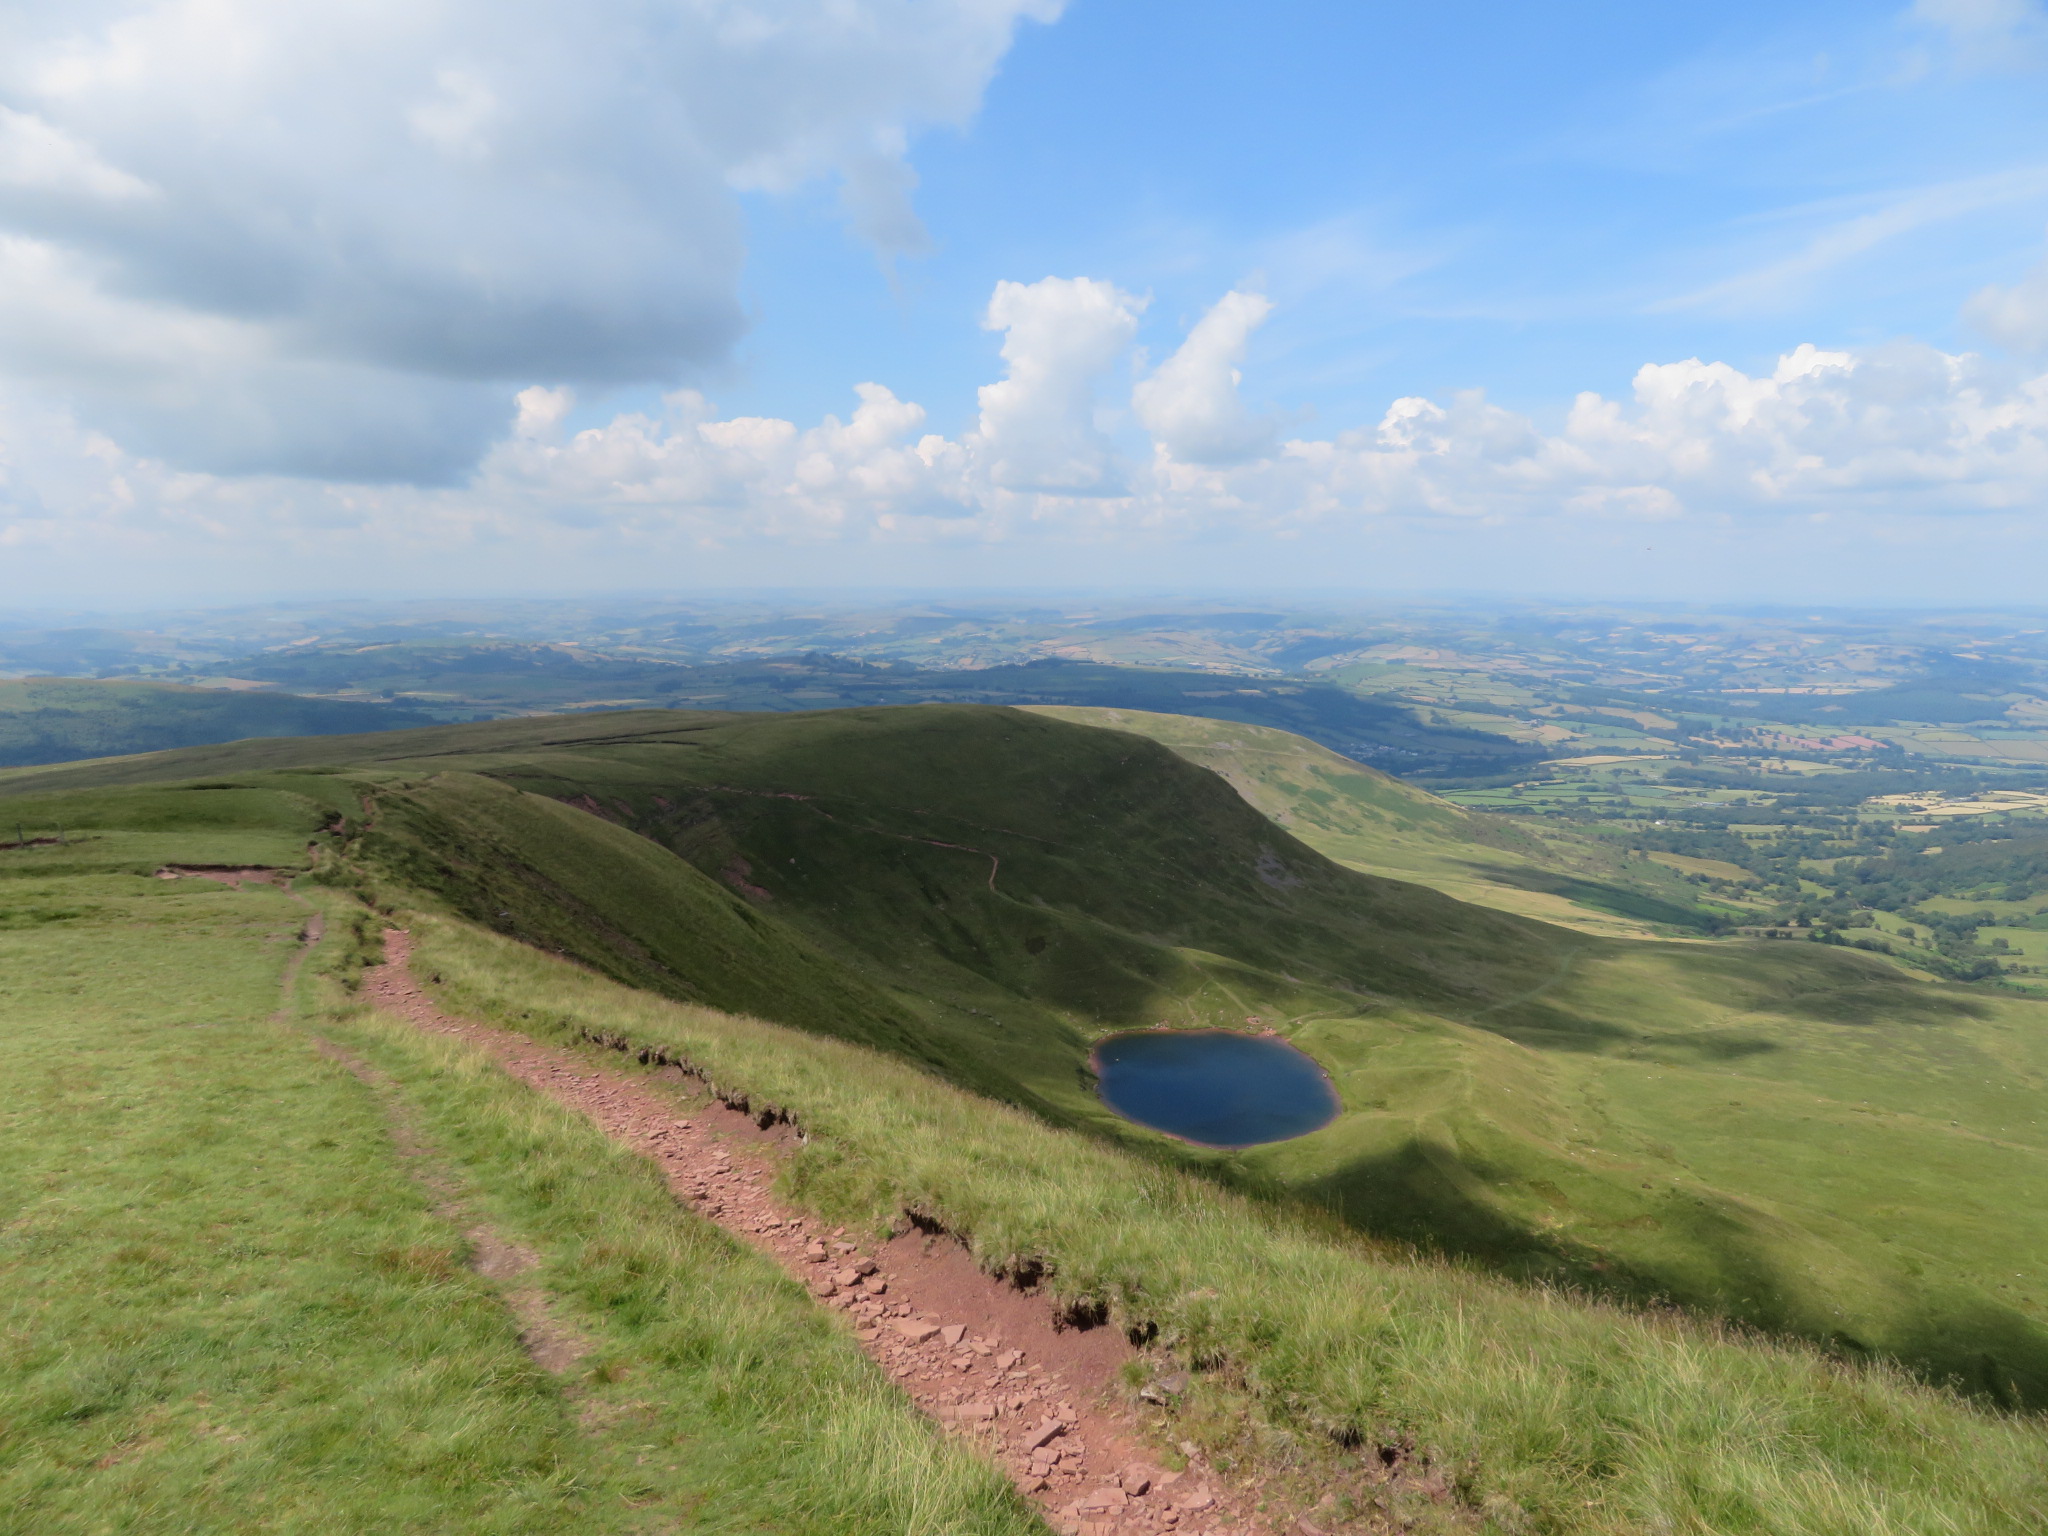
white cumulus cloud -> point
(362, 225)
(748, 475)
(1901, 431)
(1191, 404)
(1038, 429)
(1898, 429)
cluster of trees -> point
(1974, 863)
(1904, 880)
(1957, 953)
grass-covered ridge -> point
(228, 1302)
(1373, 822)
(1801, 1138)
(1549, 1412)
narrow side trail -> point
(982, 1357)
(234, 877)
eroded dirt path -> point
(235, 877)
(982, 1357)
(552, 1345)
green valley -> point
(984, 892)
(939, 908)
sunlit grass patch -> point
(228, 1303)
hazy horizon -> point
(1332, 603)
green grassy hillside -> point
(1316, 1354)
(230, 1303)
(985, 892)
(1380, 825)
(58, 719)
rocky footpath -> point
(988, 1360)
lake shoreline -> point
(1290, 1057)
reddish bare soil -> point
(227, 874)
(990, 1362)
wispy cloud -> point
(1990, 34)
(1844, 237)
(1352, 252)
(2014, 315)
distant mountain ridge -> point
(61, 719)
(322, 689)
(471, 679)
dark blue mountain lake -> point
(1214, 1087)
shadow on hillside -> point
(1614, 900)
(1427, 1195)
(1982, 1349)
(1546, 1026)
(1710, 1047)
(1819, 982)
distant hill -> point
(476, 679)
(1376, 823)
(59, 719)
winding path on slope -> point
(980, 1356)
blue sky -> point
(1533, 200)
(1590, 298)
